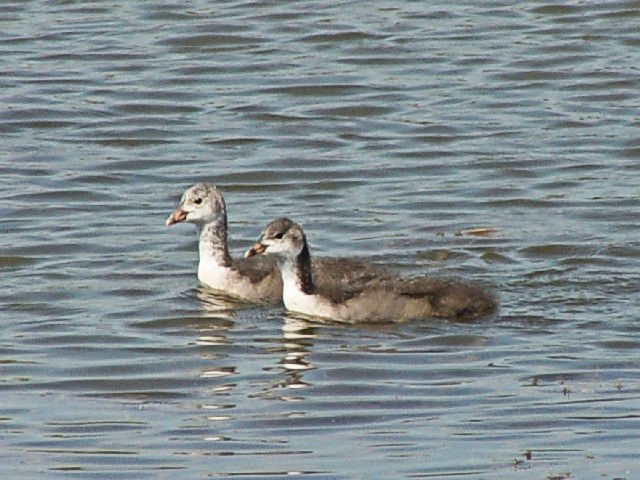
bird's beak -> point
(178, 215)
(257, 249)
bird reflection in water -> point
(297, 342)
(298, 335)
(218, 312)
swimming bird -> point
(374, 299)
(255, 280)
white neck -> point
(293, 296)
(215, 261)
(291, 289)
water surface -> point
(386, 129)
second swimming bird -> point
(384, 298)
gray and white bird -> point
(385, 298)
(255, 280)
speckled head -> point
(200, 204)
(281, 237)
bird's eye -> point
(197, 201)
(278, 235)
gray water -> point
(386, 129)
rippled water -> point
(387, 129)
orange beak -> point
(178, 215)
(257, 249)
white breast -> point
(296, 300)
(213, 275)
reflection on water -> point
(217, 305)
(298, 338)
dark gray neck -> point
(213, 242)
(303, 269)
